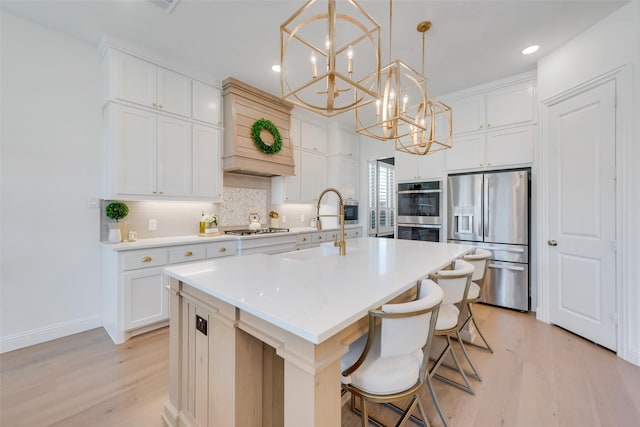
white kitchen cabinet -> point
(344, 143)
(207, 163)
(513, 146)
(410, 167)
(134, 294)
(344, 174)
(511, 105)
(207, 103)
(150, 155)
(295, 132)
(313, 137)
(308, 182)
(507, 105)
(468, 113)
(286, 189)
(145, 298)
(174, 157)
(135, 80)
(487, 150)
(468, 152)
(313, 177)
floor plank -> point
(539, 375)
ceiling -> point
(471, 42)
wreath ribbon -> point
(258, 127)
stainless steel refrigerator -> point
(491, 210)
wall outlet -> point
(93, 203)
(302, 218)
(153, 225)
(284, 219)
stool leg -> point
(435, 401)
(466, 386)
(473, 319)
(475, 373)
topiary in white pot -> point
(117, 211)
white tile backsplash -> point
(239, 203)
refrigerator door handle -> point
(485, 224)
(506, 267)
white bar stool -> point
(480, 260)
(455, 284)
(390, 362)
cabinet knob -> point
(488, 125)
(222, 249)
(160, 105)
(319, 237)
(147, 259)
(188, 253)
(155, 105)
(481, 126)
(155, 192)
(162, 192)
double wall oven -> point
(420, 211)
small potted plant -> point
(116, 211)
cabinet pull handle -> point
(481, 126)
(155, 192)
(222, 249)
(304, 239)
(162, 192)
(160, 105)
(319, 237)
(488, 125)
(147, 259)
(155, 105)
(188, 253)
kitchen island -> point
(257, 340)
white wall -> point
(608, 45)
(51, 166)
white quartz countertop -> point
(315, 293)
(194, 238)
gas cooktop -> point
(247, 231)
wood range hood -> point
(243, 105)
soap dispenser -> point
(203, 224)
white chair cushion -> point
(447, 317)
(383, 375)
(479, 260)
(474, 291)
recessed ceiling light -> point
(529, 50)
(276, 68)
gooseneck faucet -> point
(342, 243)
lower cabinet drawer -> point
(220, 249)
(186, 253)
(145, 258)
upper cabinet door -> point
(174, 157)
(207, 105)
(207, 163)
(133, 79)
(313, 137)
(173, 92)
(468, 114)
(511, 105)
(134, 166)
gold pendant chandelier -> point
(422, 140)
(343, 46)
(400, 111)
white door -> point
(582, 273)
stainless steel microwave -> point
(351, 212)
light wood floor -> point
(539, 375)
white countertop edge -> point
(193, 238)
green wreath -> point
(267, 125)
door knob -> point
(552, 243)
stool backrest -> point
(455, 282)
(479, 259)
(405, 327)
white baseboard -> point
(632, 355)
(48, 333)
